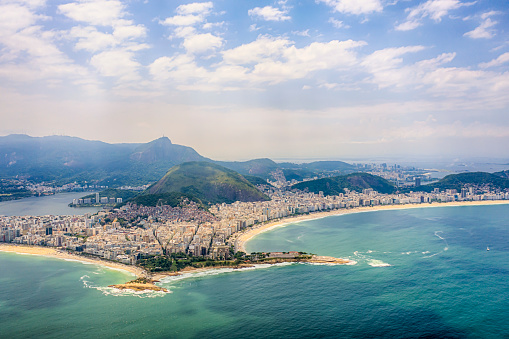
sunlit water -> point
(419, 273)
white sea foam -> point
(378, 263)
(211, 272)
(76, 260)
(122, 293)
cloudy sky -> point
(239, 79)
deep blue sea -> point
(420, 273)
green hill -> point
(256, 167)
(502, 174)
(354, 182)
(208, 182)
(458, 181)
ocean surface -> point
(56, 204)
(420, 273)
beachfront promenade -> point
(133, 232)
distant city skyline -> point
(280, 79)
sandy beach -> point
(243, 238)
(61, 254)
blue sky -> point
(245, 79)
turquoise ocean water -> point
(420, 273)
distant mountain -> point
(354, 182)
(62, 159)
(208, 182)
(328, 166)
(162, 150)
(458, 181)
(67, 159)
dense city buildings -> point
(132, 232)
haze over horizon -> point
(278, 79)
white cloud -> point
(338, 23)
(201, 43)
(269, 13)
(183, 20)
(388, 58)
(354, 6)
(90, 39)
(302, 33)
(189, 14)
(490, 13)
(434, 9)
(502, 59)
(28, 51)
(181, 68)
(94, 12)
(483, 31)
(262, 48)
(14, 17)
(408, 25)
(265, 60)
(116, 63)
(201, 8)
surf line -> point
(445, 241)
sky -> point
(241, 79)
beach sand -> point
(62, 254)
(241, 239)
(248, 234)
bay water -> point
(56, 204)
(420, 273)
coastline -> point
(241, 241)
(247, 235)
(53, 252)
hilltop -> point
(207, 182)
(354, 182)
(64, 159)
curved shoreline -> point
(52, 252)
(247, 235)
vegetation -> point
(256, 180)
(298, 174)
(458, 181)
(8, 192)
(178, 261)
(62, 160)
(503, 174)
(354, 182)
(172, 199)
(257, 167)
(210, 183)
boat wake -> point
(446, 248)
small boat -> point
(487, 248)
